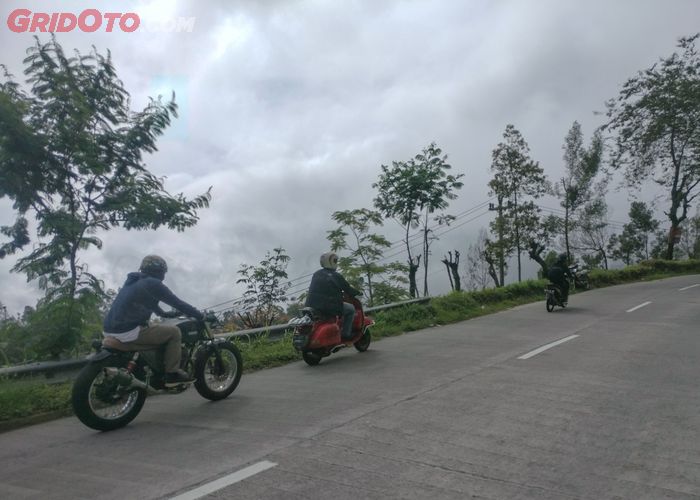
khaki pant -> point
(154, 336)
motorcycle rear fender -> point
(103, 354)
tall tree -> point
(575, 189)
(399, 194)
(541, 239)
(413, 190)
(593, 233)
(655, 119)
(497, 252)
(515, 176)
(623, 246)
(640, 228)
(362, 267)
(71, 157)
(452, 266)
(493, 258)
(477, 270)
(690, 240)
(265, 289)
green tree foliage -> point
(575, 189)
(361, 267)
(71, 158)
(410, 192)
(634, 243)
(655, 119)
(623, 246)
(265, 289)
(515, 176)
(690, 239)
(548, 227)
(39, 333)
(593, 233)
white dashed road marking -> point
(222, 482)
(639, 306)
(545, 347)
(691, 286)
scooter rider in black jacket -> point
(326, 293)
(127, 319)
(559, 274)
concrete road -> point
(487, 408)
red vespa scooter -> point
(317, 336)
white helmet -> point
(329, 260)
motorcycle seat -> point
(317, 315)
(116, 345)
(112, 343)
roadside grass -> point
(27, 402)
(263, 352)
(31, 401)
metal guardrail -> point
(286, 326)
(51, 368)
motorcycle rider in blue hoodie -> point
(127, 319)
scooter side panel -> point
(326, 334)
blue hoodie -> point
(138, 299)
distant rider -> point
(559, 274)
(127, 319)
(326, 293)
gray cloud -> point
(289, 108)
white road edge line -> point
(222, 482)
(691, 286)
(545, 347)
(639, 306)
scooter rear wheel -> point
(311, 358)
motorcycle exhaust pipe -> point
(127, 379)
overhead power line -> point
(296, 285)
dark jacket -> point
(557, 274)
(138, 299)
(326, 291)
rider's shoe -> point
(173, 379)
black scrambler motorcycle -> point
(554, 295)
(112, 388)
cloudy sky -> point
(288, 109)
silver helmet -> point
(329, 260)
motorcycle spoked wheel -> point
(363, 343)
(550, 303)
(312, 358)
(102, 404)
(218, 376)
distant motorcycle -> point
(553, 293)
(580, 277)
(317, 336)
(554, 297)
(111, 390)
